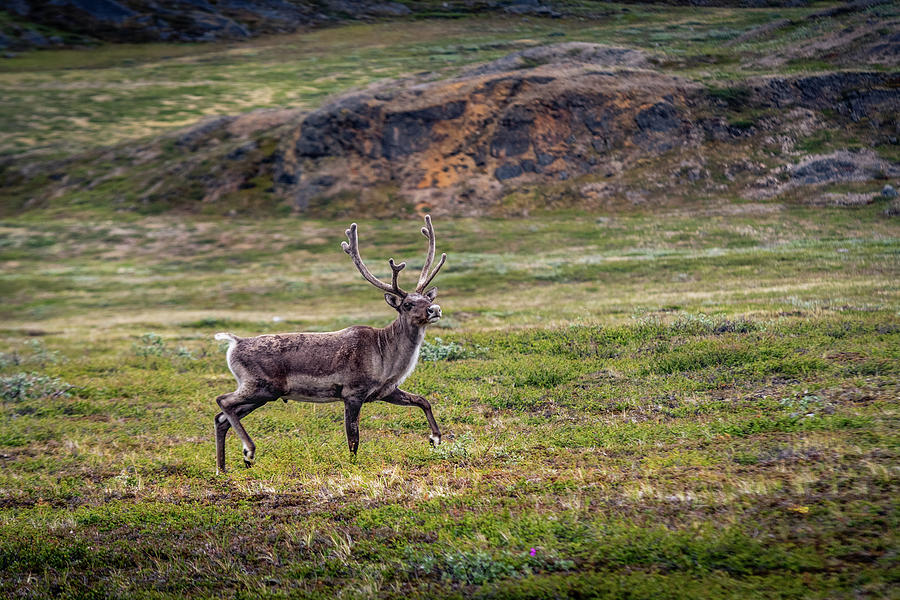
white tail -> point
(226, 336)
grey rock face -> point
(410, 131)
(508, 171)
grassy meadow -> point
(699, 401)
(696, 403)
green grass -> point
(670, 404)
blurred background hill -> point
(460, 108)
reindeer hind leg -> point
(237, 405)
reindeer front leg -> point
(401, 398)
(352, 408)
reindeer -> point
(355, 365)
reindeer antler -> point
(353, 250)
(425, 278)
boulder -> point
(842, 166)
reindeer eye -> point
(407, 306)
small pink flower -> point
(532, 552)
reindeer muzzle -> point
(434, 313)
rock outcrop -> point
(460, 146)
(842, 166)
(817, 170)
(456, 145)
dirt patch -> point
(257, 120)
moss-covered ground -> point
(696, 403)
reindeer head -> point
(417, 308)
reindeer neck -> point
(401, 337)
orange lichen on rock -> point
(441, 172)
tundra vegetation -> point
(695, 400)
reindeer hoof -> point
(434, 439)
(248, 457)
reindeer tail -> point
(232, 340)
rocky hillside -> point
(547, 126)
(572, 124)
(587, 115)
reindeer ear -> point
(393, 300)
(431, 294)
